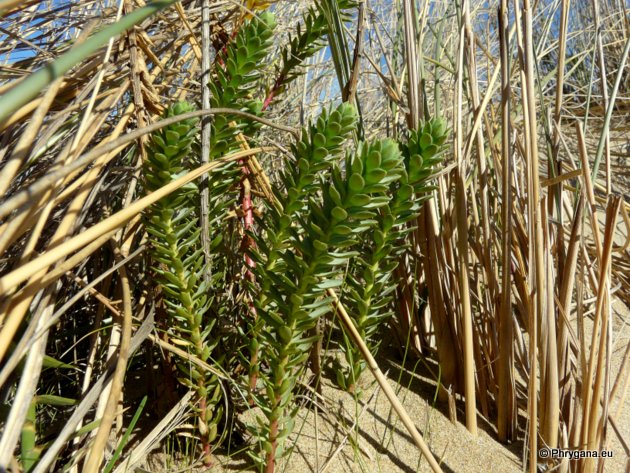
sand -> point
(327, 439)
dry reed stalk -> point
(206, 129)
(562, 46)
(136, 108)
(506, 399)
(95, 456)
(554, 166)
(566, 292)
(477, 135)
(461, 210)
(384, 384)
(602, 315)
(427, 234)
(32, 333)
(550, 395)
(405, 293)
(168, 423)
(349, 92)
(604, 86)
(537, 269)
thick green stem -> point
(194, 329)
(284, 372)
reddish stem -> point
(273, 438)
(247, 243)
(205, 443)
(248, 222)
(274, 90)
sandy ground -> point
(328, 440)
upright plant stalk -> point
(370, 285)
(428, 228)
(301, 274)
(411, 53)
(537, 270)
(307, 41)
(236, 78)
(315, 153)
(173, 226)
(461, 223)
(506, 401)
(567, 257)
(206, 128)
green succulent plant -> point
(236, 81)
(327, 211)
(319, 148)
(309, 39)
(307, 262)
(173, 222)
(370, 284)
(174, 234)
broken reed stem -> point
(568, 284)
(382, 381)
(602, 315)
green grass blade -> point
(125, 438)
(28, 89)
(29, 455)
